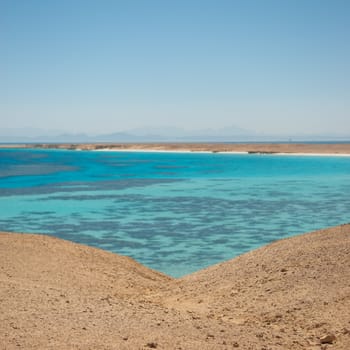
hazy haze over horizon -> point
(105, 66)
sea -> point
(173, 212)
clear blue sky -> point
(279, 66)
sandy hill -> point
(291, 294)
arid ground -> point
(291, 294)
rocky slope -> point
(291, 294)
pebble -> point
(327, 339)
(346, 331)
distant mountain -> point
(24, 137)
(159, 134)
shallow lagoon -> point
(174, 212)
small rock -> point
(152, 345)
(235, 344)
(346, 331)
(283, 270)
(327, 339)
(319, 324)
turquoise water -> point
(173, 212)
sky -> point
(271, 66)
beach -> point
(253, 148)
(291, 294)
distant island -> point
(251, 148)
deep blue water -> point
(174, 212)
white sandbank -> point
(144, 150)
(135, 150)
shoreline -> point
(292, 149)
(150, 150)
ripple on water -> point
(173, 212)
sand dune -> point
(290, 294)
